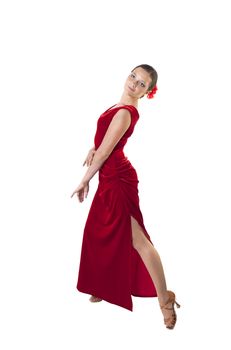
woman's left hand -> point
(81, 191)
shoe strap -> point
(167, 302)
(167, 308)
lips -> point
(131, 89)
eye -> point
(132, 75)
(142, 84)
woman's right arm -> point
(118, 126)
(89, 157)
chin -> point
(131, 93)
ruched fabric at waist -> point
(117, 166)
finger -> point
(81, 195)
(86, 193)
(75, 192)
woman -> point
(118, 258)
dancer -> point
(118, 258)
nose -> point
(134, 83)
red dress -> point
(110, 268)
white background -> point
(63, 63)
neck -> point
(128, 100)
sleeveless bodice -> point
(104, 121)
(117, 164)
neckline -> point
(111, 108)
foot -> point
(166, 313)
(167, 308)
(94, 299)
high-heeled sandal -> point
(170, 321)
(94, 299)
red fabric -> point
(110, 268)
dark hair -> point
(152, 72)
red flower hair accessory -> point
(152, 92)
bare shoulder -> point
(120, 122)
(122, 116)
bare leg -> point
(152, 261)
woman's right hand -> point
(89, 157)
(81, 191)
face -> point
(137, 83)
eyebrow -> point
(140, 80)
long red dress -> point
(110, 268)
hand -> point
(89, 157)
(81, 191)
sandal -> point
(170, 321)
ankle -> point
(163, 298)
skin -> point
(135, 87)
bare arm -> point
(118, 126)
(89, 157)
